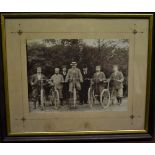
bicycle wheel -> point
(105, 98)
(74, 97)
(42, 99)
(90, 97)
(56, 99)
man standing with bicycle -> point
(65, 85)
(85, 86)
(98, 81)
(74, 77)
(38, 82)
(58, 80)
(117, 79)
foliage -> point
(51, 53)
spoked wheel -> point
(74, 97)
(42, 99)
(105, 98)
(90, 97)
(56, 99)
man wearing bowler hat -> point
(85, 85)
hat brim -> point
(73, 64)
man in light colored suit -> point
(98, 81)
(117, 79)
(74, 77)
(58, 80)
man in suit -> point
(65, 84)
(85, 86)
(58, 80)
(38, 82)
(117, 79)
(74, 77)
(98, 81)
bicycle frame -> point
(74, 94)
(42, 98)
(74, 91)
(105, 89)
(57, 92)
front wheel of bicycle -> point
(56, 99)
(90, 97)
(42, 99)
(105, 98)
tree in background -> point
(51, 53)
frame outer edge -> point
(70, 15)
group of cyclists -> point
(76, 87)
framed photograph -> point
(76, 76)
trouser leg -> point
(86, 95)
(60, 96)
(82, 95)
(118, 99)
(120, 95)
(34, 97)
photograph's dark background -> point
(51, 53)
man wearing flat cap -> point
(58, 80)
(98, 81)
(74, 77)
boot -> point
(118, 100)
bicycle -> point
(104, 96)
(91, 95)
(42, 94)
(74, 91)
(54, 96)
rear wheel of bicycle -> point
(42, 99)
(105, 98)
(90, 97)
(74, 97)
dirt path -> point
(84, 107)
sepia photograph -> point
(77, 74)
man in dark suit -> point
(85, 86)
(38, 82)
(65, 92)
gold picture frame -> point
(149, 17)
